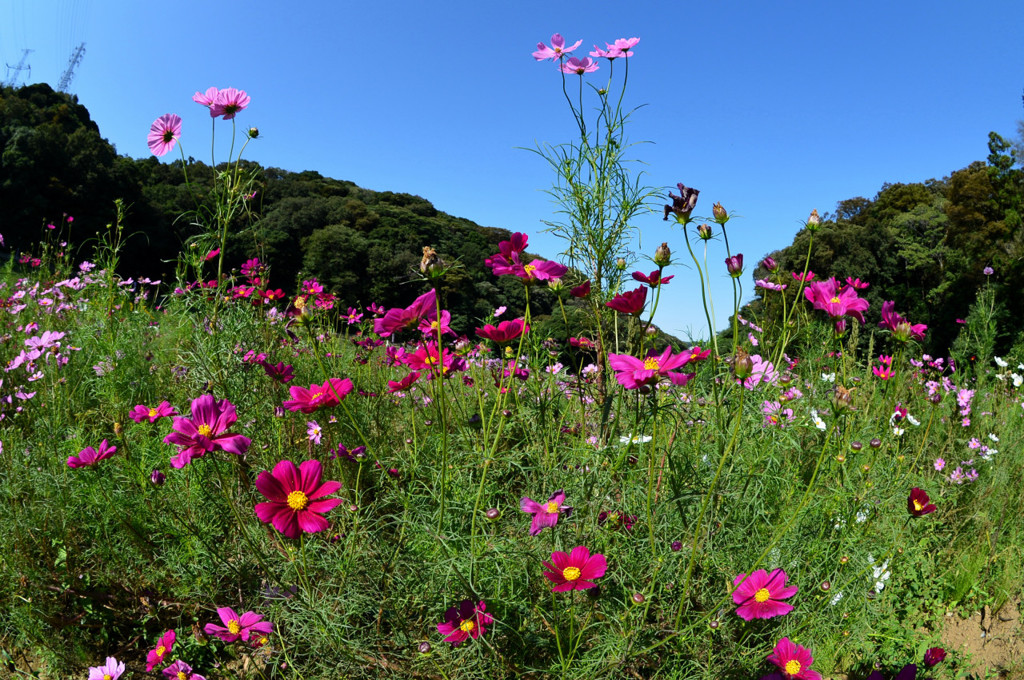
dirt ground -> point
(990, 643)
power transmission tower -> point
(11, 80)
(69, 72)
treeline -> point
(927, 246)
(365, 246)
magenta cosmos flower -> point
(229, 102)
(918, 503)
(207, 99)
(179, 670)
(331, 393)
(206, 431)
(557, 49)
(824, 295)
(630, 302)
(164, 133)
(89, 456)
(397, 319)
(758, 595)
(632, 372)
(294, 498)
(901, 329)
(574, 571)
(654, 279)
(464, 622)
(544, 514)
(793, 660)
(505, 331)
(163, 649)
(111, 670)
(142, 412)
(238, 627)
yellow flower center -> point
(264, 640)
(529, 269)
(297, 500)
(570, 573)
(835, 301)
(161, 650)
(234, 627)
(430, 361)
(315, 396)
(792, 667)
(918, 506)
(551, 507)
(108, 676)
(467, 626)
(182, 676)
(762, 595)
(651, 364)
(205, 430)
(152, 412)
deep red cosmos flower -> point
(918, 503)
(464, 621)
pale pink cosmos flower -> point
(557, 49)
(544, 514)
(111, 670)
(207, 99)
(579, 66)
(164, 133)
(142, 412)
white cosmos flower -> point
(818, 422)
(828, 377)
(1001, 363)
(993, 437)
(635, 439)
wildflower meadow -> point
(206, 477)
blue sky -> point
(771, 108)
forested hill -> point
(926, 245)
(362, 244)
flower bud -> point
(493, 514)
(814, 221)
(720, 214)
(638, 598)
(157, 478)
(704, 231)
(254, 132)
(856, 446)
(620, 264)
(677, 546)
(875, 443)
(742, 365)
(663, 255)
(735, 265)
(826, 586)
(425, 648)
(770, 264)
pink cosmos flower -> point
(206, 431)
(857, 283)
(207, 99)
(574, 571)
(89, 456)
(164, 133)
(432, 327)
(403, 384)
(179, 670)
(427, 358)
(163, 650)
(793, 660)
(654, 279)
(229, 102)
(544, 515)
(800, 276)
(579, 66)
(824, 295)
(505, 331)
(464, 622)
(632, 372)
(294, 498)
(557, 49)
(331, 393)
(397, 319)
(758, 595)
(111, 670)
(621, 47)
(142, 412)
(630, 302)
(238, 627)
(901, 329)
(279, 372)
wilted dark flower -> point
(683, 204)
(933, 656)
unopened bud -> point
(638, 598)
(663, 255)
(431, 264)
(493, 514)
(425, 648)
(721, 216)
(814, 221)
(157, 478)
(770, 264)
(704, 231)
(254, 132)
(735, 265)
(742, 365)
(620, 264)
